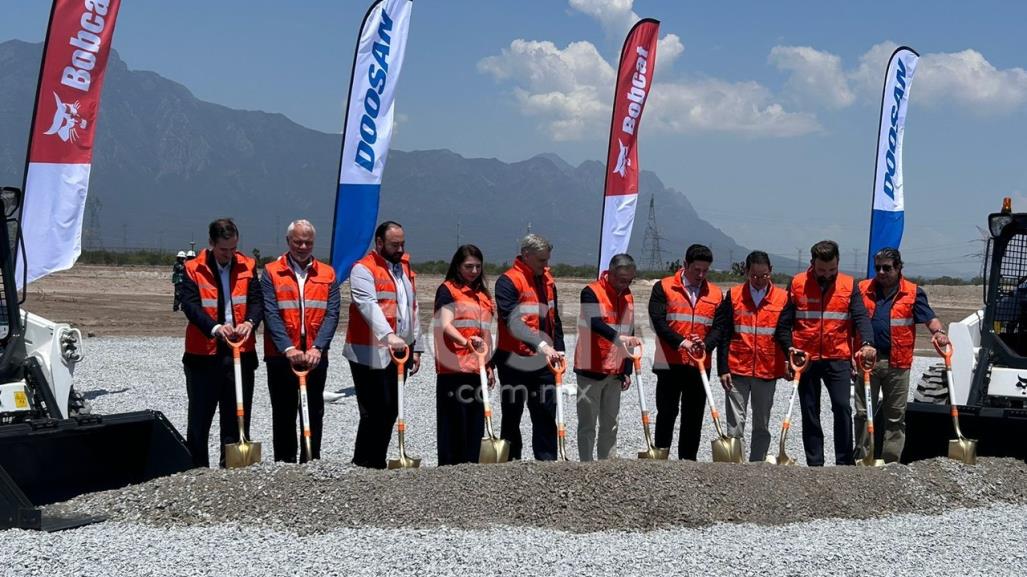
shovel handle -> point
(636, 356)
(798, 360)
(557, 367)
(400, 359)
(699, 358)
(482, 354)
(945, 352)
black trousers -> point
(377, 403)
(836, 375)
(460, 418)
(210, 385)
(284, 387)
(538, 390)
(178, 297)
(680, 386)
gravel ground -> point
(618, 517)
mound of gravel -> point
(618, 494)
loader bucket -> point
(54, 460)
(999, 432)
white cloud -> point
(569, 89)
(816, 76)
(745, 108)
(967, 78)
(668, 49)
(615, 16)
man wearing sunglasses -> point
(895, 306)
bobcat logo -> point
(622, 160)
(1021, 382)
(66, 120)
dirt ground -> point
(136, 301)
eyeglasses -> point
(883, 268)
(763, 276)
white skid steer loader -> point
(51, 448)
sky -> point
(764, 114)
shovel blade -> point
(727, 450)
(239, 455)
(870, 461)
(654, 453)
(781, 458)
(405, 462)
(964, 450)
(494, 450)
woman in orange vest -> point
(463, 320)
(222, 300)
(749, 361)
(895, 306)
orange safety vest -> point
(593, 353)
(685, 319)
(823, 326)
(359, 332)
(313, 306)
(753, 352)
(473, 313)
(903, 329)
(207, 280)
(529, 310)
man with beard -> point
(822, 317)
(382, 317)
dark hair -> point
(757, 257)
(889, 253)
(379, 233)
(222, 229)
(698, 252)
(461, 254)
(824, 251)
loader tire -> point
(77, 404)
(933, 387)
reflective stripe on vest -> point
(752, 351)
(473, 314)
(902, 328)
(685, 318)
(207, 283)
(528, 309)
(359, 330)
(316, 288)
(594, 353)
(823, 327)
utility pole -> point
(798, 260)
(855, 263)
(124, 236)
(458, 232)
(652, 254)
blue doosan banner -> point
(368, 129)
(888, 210)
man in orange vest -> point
(681, 310)
(606, 325)
(301, 312)
(382, 316)
(530, 333)
(895, 306)
(825, 312)
(749, 361)
(222, 301)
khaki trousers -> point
(890, 410)
(598, 401)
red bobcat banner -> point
(78, 42)
(634, 79)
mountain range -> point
(166, 163)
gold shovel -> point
(244, 453)
(301, 374)
(651, 451)
(798, 361)
(493, 449)
(558, 367)
(960, 448)
(725, 449)
(866, 367)
(403, 462)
